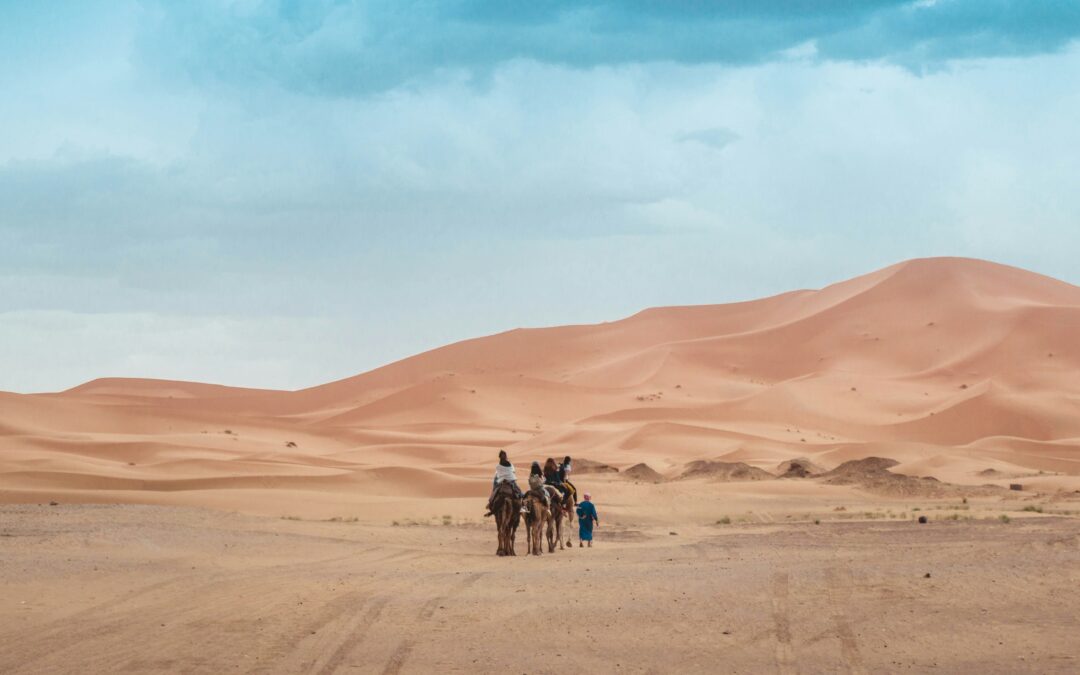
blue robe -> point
(586, 517)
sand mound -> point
(858, 469)
(873, 474)
(727, 471)
(590, 466)
(798, 468)
(643, 472)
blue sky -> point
(283, 193)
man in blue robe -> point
(587, 518)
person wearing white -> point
(504, 473)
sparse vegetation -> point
(290, 444)
(1033, 509)
(447, 520)
(726, 520)
(290, 518)
(1004, 518)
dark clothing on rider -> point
(552, 475)
(562, 472)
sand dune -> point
(947, 366)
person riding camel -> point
(564, 474)
(552, 477)
(504, 473)
(536, 483)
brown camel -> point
(537, 516)
(560, 509)
(506, 506)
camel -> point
(507, 509)
(560, 509)
(537, 517)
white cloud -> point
(269, 237)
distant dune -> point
(951, 367)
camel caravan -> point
(551, 500)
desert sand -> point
(110, 589)
(790, 442)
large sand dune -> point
(949, 366)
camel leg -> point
(530, 527)
(537, 547)
(553, 524)
(499, 528)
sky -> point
(283, 193)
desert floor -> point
(132, 588)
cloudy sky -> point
(281, 193)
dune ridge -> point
(947, 366)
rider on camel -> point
(536, 483)
(564, 474)
(504, 473)
(552, 477)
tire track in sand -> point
(781, 612)
(351, 635)
(839, 585)
(427, 610)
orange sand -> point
(950, 366)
